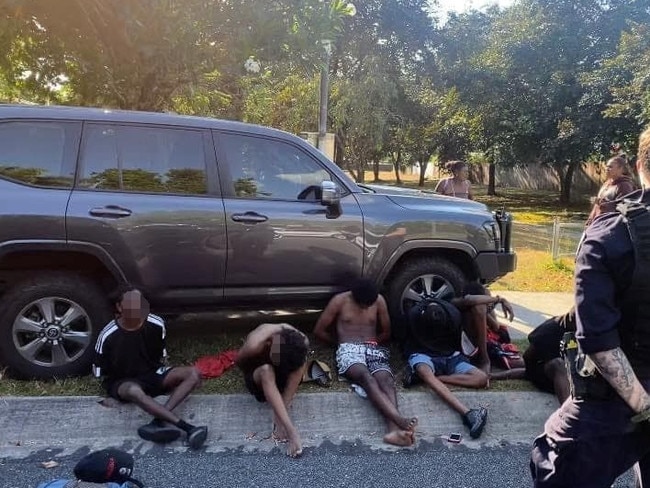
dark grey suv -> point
(203, 214)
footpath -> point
(67, 424)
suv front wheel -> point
(421, 278)
(49, 324)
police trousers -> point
(589, 443)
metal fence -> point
(557, 238)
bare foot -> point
(399, 438)
(294, 446)
(279, 433)
(408, 424)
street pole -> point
(324, 90)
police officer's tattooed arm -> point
(616, 369)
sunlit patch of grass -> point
(536, 271)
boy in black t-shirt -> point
(130, 356)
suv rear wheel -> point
(421, 278)
(49, 324)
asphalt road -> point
(350, 465)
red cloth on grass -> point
(215, 366)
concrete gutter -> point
(67, 424)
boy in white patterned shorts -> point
(362, 326)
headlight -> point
(493, 230)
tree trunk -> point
(375, 169)
(397, 162)
(492, 179)
(565, 184)
(361, 171)
(340, 151)
(423, 169)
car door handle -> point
(249, 218)
(110, 211)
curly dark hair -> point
(455, 166)
(364, 292)
(293, 350)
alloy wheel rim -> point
(52, 332)
(424, 286)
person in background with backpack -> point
(433, 351)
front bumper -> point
(493, 265)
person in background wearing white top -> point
(458, 184)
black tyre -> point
(49, 324)
(421, 278)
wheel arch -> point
(459, 253)
(17, 257)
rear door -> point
(149, 196)
(281, 243)
(37, 166)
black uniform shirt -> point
(604, 269)
(122, 354)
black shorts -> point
(257, 391)
(151, 383)
(535, 372)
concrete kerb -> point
(67, 424)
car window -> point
(34, 153)
(143, 159)
(266, 168)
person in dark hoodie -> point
(618, 184)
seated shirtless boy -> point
(362, 329)
(272, 360)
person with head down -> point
(273, 360)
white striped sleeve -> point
(156, 320)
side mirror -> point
(330, 194)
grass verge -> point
(186, 349)
(537, 272)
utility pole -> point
(324, 90)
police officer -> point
(603, 429)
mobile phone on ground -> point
(454, 437)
